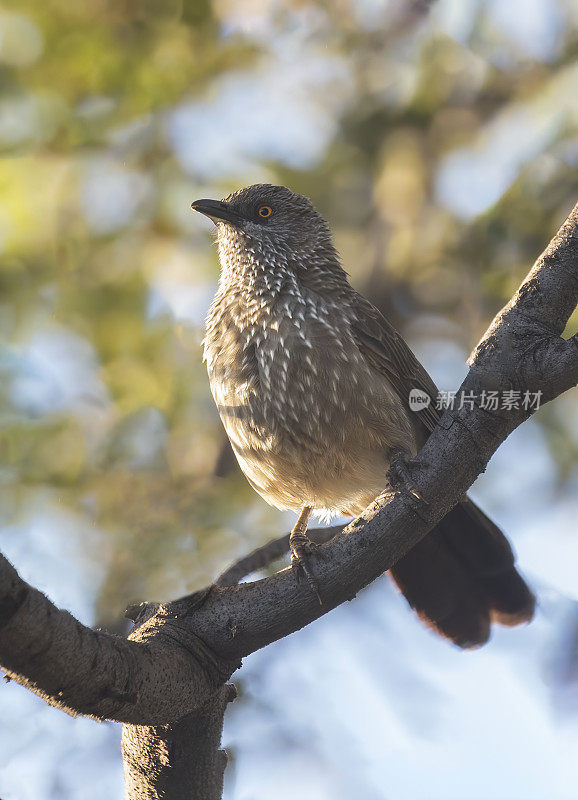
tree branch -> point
(180, 760)
(148, 678)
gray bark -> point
(166, 680)
(181, 761)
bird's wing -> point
(387, 353)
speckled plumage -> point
(309, 420)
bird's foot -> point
(400, 480)
(302, 548)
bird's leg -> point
(400, 480)
(398, 473)
(301, 547)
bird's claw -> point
(302, 548)
(400, 480)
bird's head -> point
(279, 228)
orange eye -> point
(265, 211)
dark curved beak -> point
(217, 211)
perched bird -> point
(312, 385)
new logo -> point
(418, 400)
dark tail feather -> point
(461, 577)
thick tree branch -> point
(523, 345)
(183, 760)
(146, 678)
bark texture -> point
(167, 680)
(182, 760)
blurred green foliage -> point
(104, 404)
